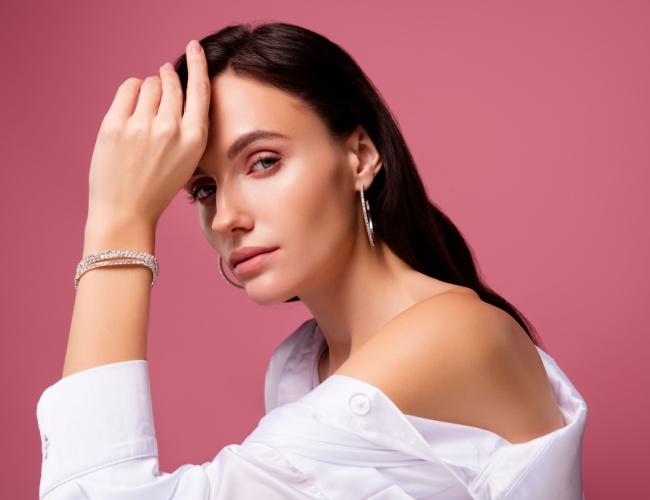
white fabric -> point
(342, 439)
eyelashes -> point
(262, 163)
(200, 193)
(265, 162)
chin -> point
(268, 292)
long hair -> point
(310, 67)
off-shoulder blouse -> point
(340, 439)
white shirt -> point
(340, 439)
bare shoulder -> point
(453, 357)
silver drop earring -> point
(226, 278)
(365, 208)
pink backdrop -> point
(530, 122)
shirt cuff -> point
(93, 419)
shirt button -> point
(360, 404)
(45, 446)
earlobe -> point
(367, 161)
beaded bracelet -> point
(124, 258)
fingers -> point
(171, 104)
(163, 96)
(122, 106)
(147, 93)
(149, 99)
(198, 87)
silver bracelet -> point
(117, 258)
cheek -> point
(314, 222)
(311, 197)
(324, 212)
(329, 213)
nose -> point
(232, 213)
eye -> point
(201, 193)
(264, 162)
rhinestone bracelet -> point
(117, 258)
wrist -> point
(101, 235)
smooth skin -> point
(435, 349)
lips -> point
(247, 253)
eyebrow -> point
(245, 140)
(250, 137)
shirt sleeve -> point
(99, 442)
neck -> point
(354, 303)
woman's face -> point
(275, 192)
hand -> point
(143, 157)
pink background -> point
(530, 122)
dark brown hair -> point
(307, 65)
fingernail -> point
(168, 66)
(195, 46)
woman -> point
(414, 380)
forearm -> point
(144, 155)
(111, 310)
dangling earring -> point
(223, 275)
(365, 208)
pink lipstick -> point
(249, 259)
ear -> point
(364, 158)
